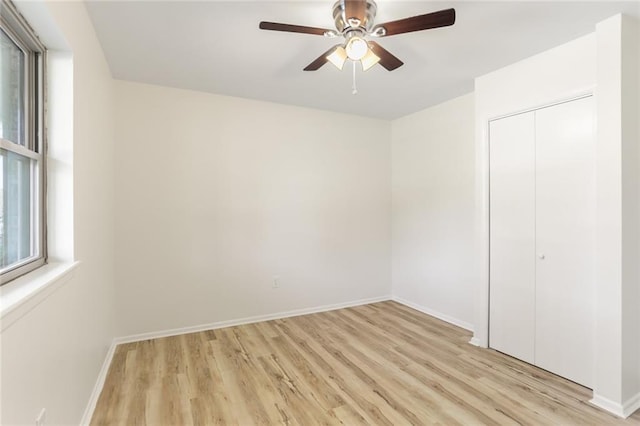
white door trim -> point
(481, 334)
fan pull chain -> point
(354, 89)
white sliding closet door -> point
(512, 236)
(565, 240)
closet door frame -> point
(542, 202)
(481, 333)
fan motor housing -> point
(341, 20)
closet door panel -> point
(512, 233)
(565, 240)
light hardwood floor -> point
(381, 364)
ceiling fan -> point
(354, 21)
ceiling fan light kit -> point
(354, 21)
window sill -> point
(23, 294)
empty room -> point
(318, 212)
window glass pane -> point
(15, 208)
(12, 90)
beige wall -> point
(217, 195)
(630, 114)
(52, 353)
(433, 187)
(617, 384)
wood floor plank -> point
(404, 377)
(377, 364)
(455, 378)
(371, 406)
(250, 389)
(305, 375)
(379, 381)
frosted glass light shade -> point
(369, 60)
(356, 48)
(338, 57)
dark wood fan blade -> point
(320, 60)
(387, 60)
(274, 26)
(442, 18)
(355, 9)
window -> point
(22, 146)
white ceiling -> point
(216, 47)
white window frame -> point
(21, 33)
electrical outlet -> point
(276, 282)
(41, 417)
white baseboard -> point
(474, 341)
(631, 406)
(621, 410)
(102, 376)
(247, 320)
(436, 314)
(97, 388)
(86, 418)
(607, 405)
